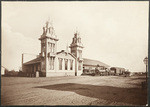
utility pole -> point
(146, 63)
(22, 61)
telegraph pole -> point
(22, 62)
(146, 63)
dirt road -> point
(83, 90)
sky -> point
(113, 32)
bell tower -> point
(48, 48)
(76, 49)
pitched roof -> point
(63, 51)
(93, 62)
(34, 61)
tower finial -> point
(76, 30)
(47, 22)
(51, 23)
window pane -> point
(71, 64)
(60, 64)
(66, 64)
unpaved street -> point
(83, 90)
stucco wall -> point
(63, 72)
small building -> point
(117, 71)
(90, 65)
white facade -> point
(53, 63)
(64, 65)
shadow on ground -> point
(138, 78)
(135, 96)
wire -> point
(30, 54)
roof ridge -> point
(87, 61)
(31, 60)
(92, 59)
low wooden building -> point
(117, 71)
(90, 66)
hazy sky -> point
(115, 33)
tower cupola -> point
(48, 30)
(48, 47)
(76, 46)
(76, 40)
(76, 49)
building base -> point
(79, 73)
(51, 74)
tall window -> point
(51, 63)
(43, 47)
(71, 64)
(79, 66)
(80, 53)
(53, 48)
(49, 47)
(60, 63)
(66, 64)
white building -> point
(53, 63)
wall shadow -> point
(135, 96)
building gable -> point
(65, 55)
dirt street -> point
(82, 90)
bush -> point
(22, 74)
(11, 73)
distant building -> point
(89, 64)
(117, 70)
(52, 63)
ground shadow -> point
(138, 78)
(135, 96)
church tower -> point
(76, 49)
(48, 49)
